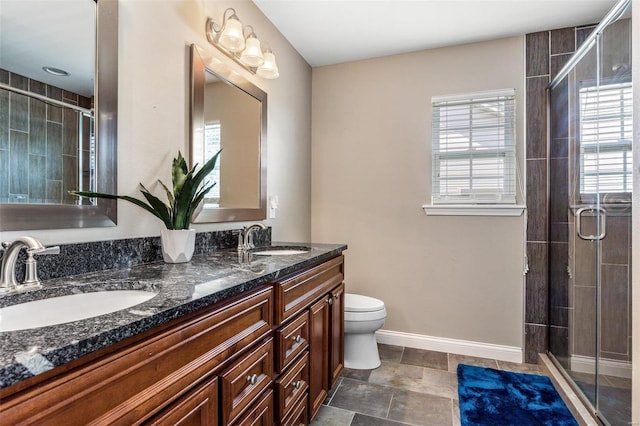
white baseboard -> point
(608, 367)
(454, 346)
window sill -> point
(474, 209)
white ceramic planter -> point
(178, 244)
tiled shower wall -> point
(562, 316)
(39, 143)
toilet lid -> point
(359, 303)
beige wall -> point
(153, 114)
(453, 277)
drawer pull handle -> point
(297, 384)
(297, 339)
(252, 379)
(330, 301)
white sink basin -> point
(276, 252)
(74, 307)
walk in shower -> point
(590, 186)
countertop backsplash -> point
(81, 258)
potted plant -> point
(178, 239)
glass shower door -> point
(590, 190)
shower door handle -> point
(602, 217)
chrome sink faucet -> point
(8, 280)
(245, 236)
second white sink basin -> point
(63, 309)
(276, 252)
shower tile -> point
(559, 148)
(54, 113)
(584, 326)
(4, 119)
(69, 178)
(54, 191)
(4, 76)
(537, 200)
(557, 62)
(615, 246)
(537, 290)
(37, 181)
(563, 41)
(559, 112)
(615, 308)
(536, 145)
(616, 48)
(559, 196)
(537, 45)
(69, 132)
(19, 162)
(19, 112)
(38, 87)
(4, 175)
(558, 275)
(559, 316)
(536, 341)
(615, 355)
(559, 232)
(582, 33)
(37, 127)
(559, 341)
(54, 151)
(585, 260)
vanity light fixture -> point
(246, 50)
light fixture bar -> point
(246, 51)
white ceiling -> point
(328, 32)
(54, 33)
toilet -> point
(363, 316)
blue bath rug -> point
(491, 397)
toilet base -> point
(361, 351)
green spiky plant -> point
(183, 202)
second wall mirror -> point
(230, 113)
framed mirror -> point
(230, 113)
(58, 113)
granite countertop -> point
(181, 289)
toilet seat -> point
(360, 303)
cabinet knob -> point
(252, 379)
(337, 296)
(297, 339)
(297, 384)
(330, 301)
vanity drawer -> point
(298, 415)
(244, 381)
(292, 386)
(260, 413)
(200, 406)
(291, 340)
(297, 292)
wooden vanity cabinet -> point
(316, 294)
(265, 357)
(163, 376)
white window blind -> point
(473, 149)
(606, 139)
(212, 136)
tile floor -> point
(411, 387)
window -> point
(212, 135)
(473, 138)
(606, 139)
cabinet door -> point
(336, 334)
(197, 408)
(318, 354)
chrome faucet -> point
(245, 236)
(8, 280)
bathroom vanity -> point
(227, 340)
